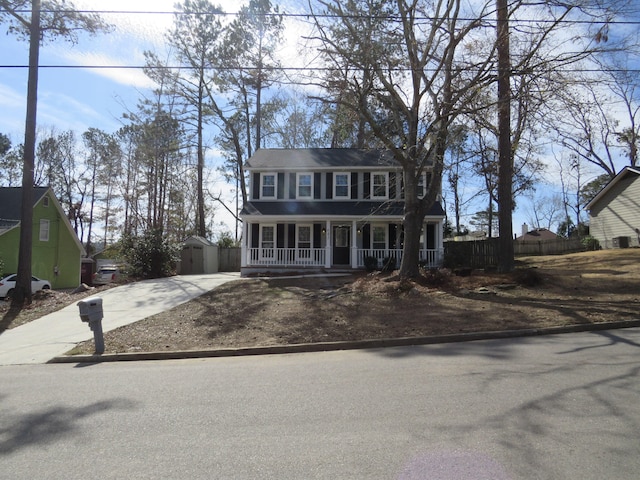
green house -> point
(57, 251)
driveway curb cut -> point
(346, 345)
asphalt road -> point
(555, 407)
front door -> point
(341, 245)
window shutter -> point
(393, 235)
(280, 185)
(366, 185)
(292, 186)
(255, 235)
(366, 236)
(392, 185)
(329, 186)
(291, 237)
(280, 235)
(354, 185)
(256, 186)
(317, 185)
(317, 235)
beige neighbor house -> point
(329, 209)
(614, 213)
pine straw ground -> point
(581, 288)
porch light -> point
(359, 231)
(324, 230)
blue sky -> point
(79, 98)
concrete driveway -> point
(55, 334)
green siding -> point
(60, 250)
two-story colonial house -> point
(328, 209)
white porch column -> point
(354, 244)
(244, 244)
(327, 244)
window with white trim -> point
(45, 201)
(342, 185)
(267, 240)
(304, 241)
(268, 185)
(305, 185)
(378, 237)
(44, 230)
(379, 183)
(422, 185)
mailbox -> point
(91, 312)
(91, 309)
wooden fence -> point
(484, 253)
(229, 259)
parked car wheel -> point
(9, 294)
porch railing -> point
(313, 257)
(316, 257)
(431, 258)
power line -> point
(308, 16)
(285, 69)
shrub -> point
(151, 255)
(370, 264)
(590, 243)
(437, 277)
(389, 264)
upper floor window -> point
(379, 183)
(45, 201)
(44, 230)
(341, 187)
(305, 185)
(268, 185)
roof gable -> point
(318, 158)
(623, 173)
(11, 202)
(11, 215)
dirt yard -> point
(579, 288)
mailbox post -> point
(91, 312)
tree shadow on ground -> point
(46, 426)
(9, 317)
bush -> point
(590, 243)
(436, 277)
(151, 255)
(389, 264)
(370, 264)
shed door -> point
(192, 260)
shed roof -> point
(318, 158)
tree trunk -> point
(412, 223)
(505, 156)
(22, 292)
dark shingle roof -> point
(282, 158)
(11, 201)
(331, 208)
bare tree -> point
(57, 19)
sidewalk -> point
(53, 335)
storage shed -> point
(198, 255)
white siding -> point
(617, 213)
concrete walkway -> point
(53, 335)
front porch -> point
(333, 245)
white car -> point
(8, 283)
(106, 275)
